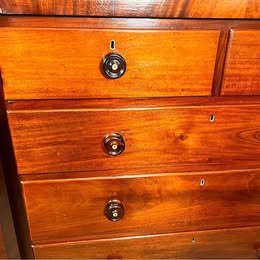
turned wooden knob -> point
(114, 210)
(114, 144)
(114, 65)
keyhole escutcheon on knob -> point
(114, 144)
(114, 65)
(114, 210)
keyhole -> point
(112, 45)
(202, 182)
(211, 118)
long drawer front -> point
(219, 244)
(74, 209)
(73, 140)
(52, 63)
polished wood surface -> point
(220, 61)
(45, 63)
(242, 75)
(121, 103)
(155, 204)
(141, 8)
(191, 160)
(220, 244)
(71, 140)
(31, 22)
(14, 23)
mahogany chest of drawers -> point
(135, 134)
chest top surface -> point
(143, 8)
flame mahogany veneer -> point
(141, 8)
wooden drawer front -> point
(73, 209)
(63, 63)
(242, 72)
(228, 244)
(71, 140)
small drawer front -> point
(220, 244)
(242, 72)
(65, 63)
(75, 209)
(76, 140)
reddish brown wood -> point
(148, 171)
(124, 23)
(155, 24)
(220, 62)
(129, 103)
(220, 244)
(141, 8)
(46, 58)
(45, 63)
(242, 65)
(71, 140)
(73, 209)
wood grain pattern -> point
(12, 21)
(242, 75)
(220, 63)
(42, 63)
(158, 204)
(53, 58)
(122, 103)
(71, 140)
(141, 8)
(220, 244)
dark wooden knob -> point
(114, 65)
(114, 144)
(114, 210)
